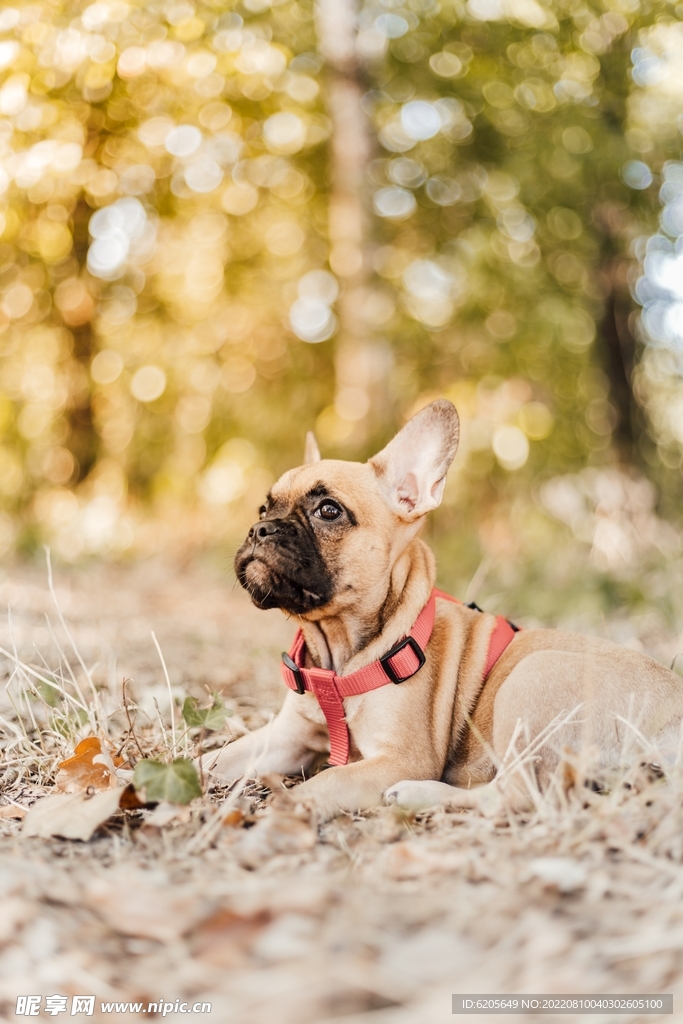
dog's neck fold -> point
(359, 634)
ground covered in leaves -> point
(239, 899)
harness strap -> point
(503, 634)
(400, 663)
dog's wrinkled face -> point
(291, 558)
(330, 531)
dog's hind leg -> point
(419, 795)
(491, 798)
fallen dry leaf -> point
(275, 833)
(562, 873)
(70, 815)
(91, 767)
(15, 913)
(144, 905)
(234, 818)
(164, 813)
(130, 801)
(289, 935)
(225, 938)
(13, 811)
(411, 859)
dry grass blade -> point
(70, 638)
(170, 691)
(46, 681)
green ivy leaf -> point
(212, 718)
(176, 783)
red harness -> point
(400, 663)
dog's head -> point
(330, 530)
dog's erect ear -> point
(412, 468)
(311, 451)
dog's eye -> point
(262, 512)
(328, 511)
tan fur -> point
(444, 730)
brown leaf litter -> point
(70, 815)
(90, 767)
(244, 900)
(13, 811)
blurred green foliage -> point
(171, 302)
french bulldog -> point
(336, 547)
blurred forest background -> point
(226, 223)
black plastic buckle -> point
(294, 669)
(411, 642)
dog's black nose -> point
(266, 528)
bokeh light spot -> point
(637, 174)
(284, 238)
(394, 203)
(284, 132)
(106, 367)
(148, 383)
(420, 120)
(510, 446)
(183, 140)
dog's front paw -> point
(222, 764)
(417, 796)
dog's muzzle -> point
(281, 566)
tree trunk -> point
(617, 354)
(82, 440)
(359, 360)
